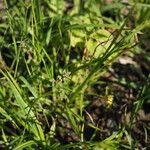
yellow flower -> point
(110, 99)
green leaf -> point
(27, 84)
(98, 42)
(77, 36)
(24, 145)
(24, 108)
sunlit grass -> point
(51, 53)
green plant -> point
(50, 56)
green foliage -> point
(45, 71)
